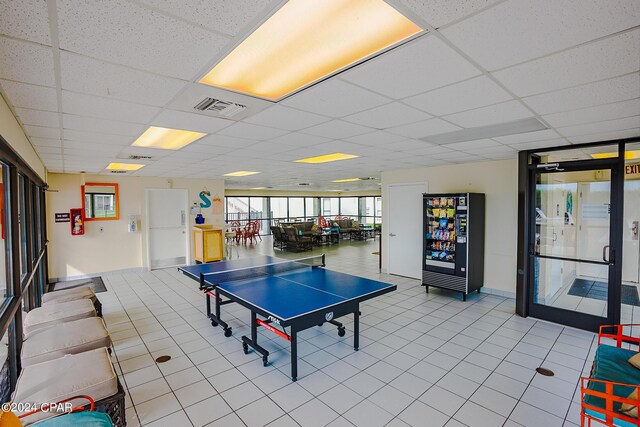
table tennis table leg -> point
(356, 329)
(215, 318)
(253, 342)
(294, 355)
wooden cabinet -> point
(207, 243)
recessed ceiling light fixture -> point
(166, 138)
(347, 180)
(124, 166)
(240, 173)
(628, 155)
(258, 188)
(306, 41)
(327, 158)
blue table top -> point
(296, 293)
(194, 271)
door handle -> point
(392, 235)
(634, 230)
(182, 218)
(604, 253)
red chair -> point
(257, 222)
(249, 233)
(236, 228)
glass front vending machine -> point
(453, 254)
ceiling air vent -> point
(136, 157)
(118, 171)
(223, 108)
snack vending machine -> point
(453, 254)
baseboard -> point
(100, 273)
(498, 292)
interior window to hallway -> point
(630, 304)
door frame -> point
(147, 235)
(386, 214)
(528, 164)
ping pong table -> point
(295, 294)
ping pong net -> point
(210, 280)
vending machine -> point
(453, 254)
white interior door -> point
(593, 229)
(405, 229)
(167, 228)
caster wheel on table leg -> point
(214, 323)
(341, 332)
(265, 361)
(245, 348)
(227, 332)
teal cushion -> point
(611, 364)
(84, 419)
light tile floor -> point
(425, 359)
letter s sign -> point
(206, 202)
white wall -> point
(498, 180)
(11, 131)
(114, 248)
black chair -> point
(279, 238)
(296, 242)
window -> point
(237, 208)
(296, 208)
(349, 206)
(4, 261)
(279, 208)
(330, 206)
(311, 207)
(22, 223)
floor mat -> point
(96, 283)
(598, 290)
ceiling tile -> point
(540, 144)
(187, 121)
(226, 16)
(408, 145)
(519, 30)
(588, 95)
(385, 116)
(478, 144)
(137, 37)
(493, 114)
(91, 124)
(30, 96)
(27, 20)
(77, 135)
(227, 141)
(600, 60)
(628, 133)
(104, 108)
(286, 118)
(91, 76)
(48, 150)
(37, 117)
(90, 149)
(418, 66)
(473, 93)
(337, 129)
(249, 131)
(441, 12)
(45, 142)
(601, 127)
(376, 138)
(592, 114)
(335, 98)
(26, 62)
(42, 132)
(425, 128)
(528, 137)
(296, 139)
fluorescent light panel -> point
(327, 158)
(306, 41)
(347, 180)
(166, 138)
(628, 155)
(124, 166)
(481, 132)
(240, 173)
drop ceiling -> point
(86, 78)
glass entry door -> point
(573, 259)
